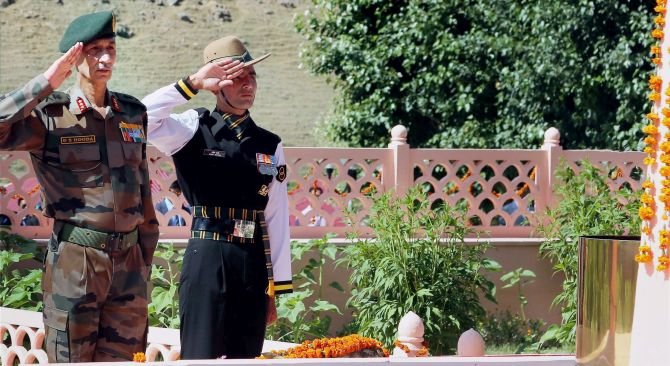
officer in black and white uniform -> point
(233, 174)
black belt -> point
(108, 242)
(220, 223)
(218, 229)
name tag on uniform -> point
(215, 153)
(267, 164)
(73, 140)
(132, 132)
(244, 229)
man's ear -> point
(82, 58)
(81, 63)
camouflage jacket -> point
(93, 169)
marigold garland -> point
(330, 348)
(139, 357)
(650, 140)
(657, 33)
(656, 148)
(655, 83)
(423, 352)
(650, 130)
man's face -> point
(98, 59)
(242, 93)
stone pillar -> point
(553, 148)
(402, 175)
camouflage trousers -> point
(95, 303)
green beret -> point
(87, 28)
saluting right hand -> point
(216, 75)
(61, 69)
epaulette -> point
(268, 136)
(203, 113)
(126, 99)
(55, 98)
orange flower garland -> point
(330, 348)
(656, 147)
(423, 352)
(139, 357)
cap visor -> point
(257, 60)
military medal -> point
(132, 132)
(244, 229)
(267, 164)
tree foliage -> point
(492, 74)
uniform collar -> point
(237, 124)
(79, 103)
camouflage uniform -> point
(93, 175)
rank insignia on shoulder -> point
(264, 190)
(132, 132)
(281, 173)
(72, 140)
(267, 164)
(215, 153)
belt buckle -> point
(244, 229)
(113, 241)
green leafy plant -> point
(303, 314)
(20, 286)
(164, 305)
(418, 262)
(513, 332)
(585, 206)
(519, 278)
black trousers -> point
(222, 300)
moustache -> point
(103, 67)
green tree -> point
(490, 74)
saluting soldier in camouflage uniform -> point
(88, 146)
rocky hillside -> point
(162, 40)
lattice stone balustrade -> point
(502, 189)
(26, 337)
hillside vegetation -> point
(167, 40)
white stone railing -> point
(19, 324)
(502, 189)
(162, 343)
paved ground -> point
(164, 48)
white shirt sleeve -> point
(169, 132)
(276, 216)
